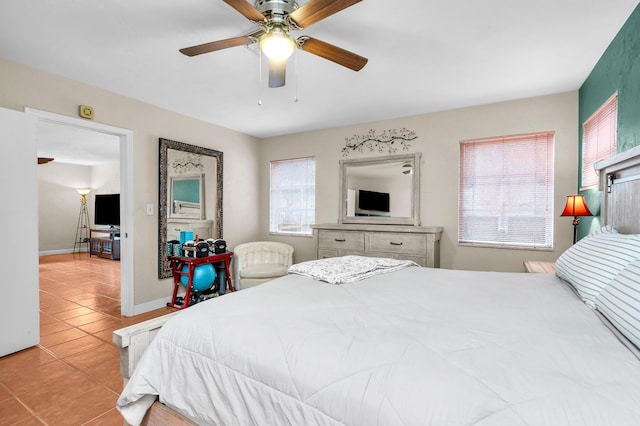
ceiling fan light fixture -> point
(276, 19)
(277, 45)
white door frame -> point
(126, 195)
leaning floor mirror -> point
(190, 195)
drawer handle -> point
(395, 244)
(340, 240)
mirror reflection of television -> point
(107, 209)
(373, 201)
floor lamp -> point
(82, 231)
(576, 206)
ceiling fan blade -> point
(332, 53)
(316, 10)
(277, 73)
(246, 9)
(217, 45)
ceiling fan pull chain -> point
(260, 77)
(295, 71)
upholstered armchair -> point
(260, 261)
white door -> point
(19, 289)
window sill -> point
(499, 246)
(287, 234)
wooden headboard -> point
(620, 188)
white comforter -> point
(418, 346)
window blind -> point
(506, 191)
(599, 135)
(292, 203)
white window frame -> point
(507, 201)
(599, 140)
(292, 196)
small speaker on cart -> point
(219, 246)
(202, 249)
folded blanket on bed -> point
(346, 269)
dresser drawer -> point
(323, 254)
(401, 243)
(341, 240)
(420, 260)
(417, 243)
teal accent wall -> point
(617, 70)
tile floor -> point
(72, 377)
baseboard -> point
(150, 306)
(61, 251)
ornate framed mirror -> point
(191, 182)
(381, 190)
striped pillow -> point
(591, 263)
(606, 229)
(620, 302)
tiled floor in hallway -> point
(72, 377)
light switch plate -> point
(149, 209)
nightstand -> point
(540, 267)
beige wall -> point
(21, 87)
(105, 179)
(438, 137)
(246, 164)
(59, 202)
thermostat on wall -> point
(85, 111)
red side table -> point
(177, 263)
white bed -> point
(414, 347)
(417, 346)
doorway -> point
(125, 139)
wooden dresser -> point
(418, 243)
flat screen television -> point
(107, 209)
(373, 201)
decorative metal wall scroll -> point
(390, 140)
(187, 163)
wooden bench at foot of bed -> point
(133, 340)
(161, 415)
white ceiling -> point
(72, 145)
(424, 56)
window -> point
(293, 196)
(599, 134)
(506, 191)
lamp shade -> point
(576, 206)
(83, 191)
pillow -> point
(620, 302)
(606, 229)
(348, 269)
(591, 263)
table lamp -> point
(576, 206)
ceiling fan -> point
(276, 19)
